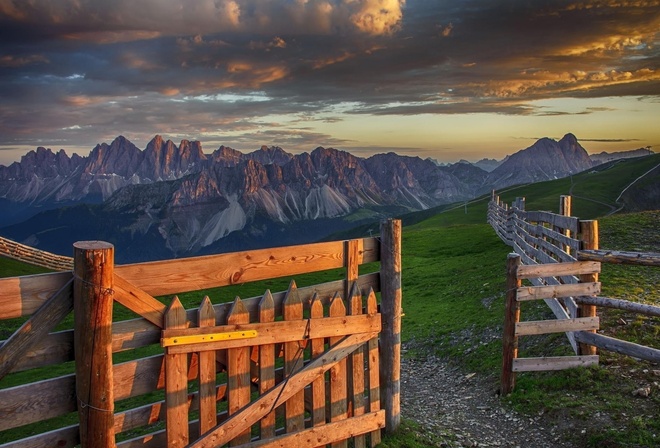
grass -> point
(453, 299)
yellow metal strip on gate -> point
(211, 337)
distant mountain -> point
(605, 157)
(488, 164)
(169, 200)
(546, 159)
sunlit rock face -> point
(546, 159)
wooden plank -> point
(67, 437)
(374, 369)
(318, 386)
(556, 326)
(238, 368)
(176, 382)
(555, 291)
(38, 401)
(54, 348)
(564, 222)
(282, 392)
(558, 269)
(553, 363)
(338, 384)
(139, 301)
(36, 328)
(330, 433)
(189, 274)
(352, 253)
(22, 296)
(619, 304)
(207, 403)
(293, 360)
(267, 365)
(278, 332)
(356, 369)
(621, 257)
(619, 346)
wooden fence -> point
(558, 255)
(31, 255)
(302, 367)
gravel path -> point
(458, 410)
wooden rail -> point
(135, 286)
(34, 256)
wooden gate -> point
(310, 367)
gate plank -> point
(207, 404)
(293, 361)
(357, 367)
(282, 392)
(338, 405)
(374, 368)
(318, 386)
(176, 382)
(330, 433)
(238, 371)
(267, 364)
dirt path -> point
(455, 409)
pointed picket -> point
(267, 364)
(318, 386)
(207, 403)
(238, 381)
(338, 404)
(374, 366)
(292, 309)
(356, 366)
(176, 382)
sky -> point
(444, 79)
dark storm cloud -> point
(93, 69)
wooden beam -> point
(619, 346)
(36, 328)
(165, 277)
(621, 257)
(326, 434)
(556, 326)
(139, 301)
(556, 291)
(558, 269)
(22, 296)
(277, 332)
(553, 363)
(619, 304)
(511, 318)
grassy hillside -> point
(453, 299)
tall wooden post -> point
(93, 266)
(589, 240)
(390, 279)
(511, 317)
(565, 209)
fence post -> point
(589, 240)
(390, 278)
(93, 266)
(511, 317)
(565, 206)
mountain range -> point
(169, 200)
